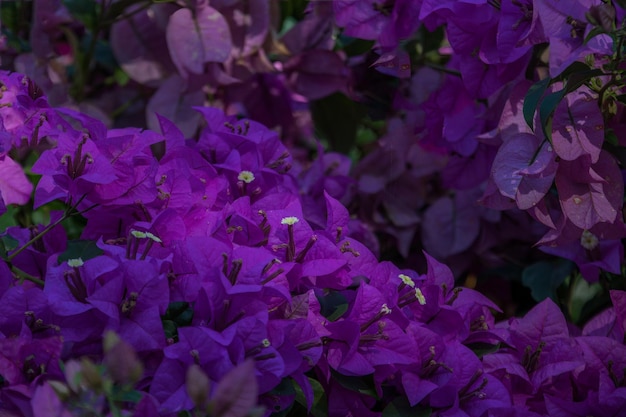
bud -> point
(121, 360)
(62, 390)
(90, 375)
(198, 385)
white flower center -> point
(290, 221)
(407, 280)
(588, 240)
(75, 263)
(246, 176)
(420, 296)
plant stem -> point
(26, 276)
(38, 236)
(68, 213)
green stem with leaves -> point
(68, 213)
(24, 276)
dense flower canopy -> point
(175, 241)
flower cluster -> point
(217, 293)
(460, 125)
(525, 119)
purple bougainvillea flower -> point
(85, 296)
(196, 37)
(25, 359)
(129, 155)
(618, 298)
(19, 299)
(15, 188)
(590, 193)
(314, 31)
(317, 73)
(541, 344)
(396, 62)
(524, 169)
(249, 23)
(592, 249)
(25, 113)
(448, 112)
(566, 27)
(474, 29)
(345, 402)
(236, 393)
(175, 100)
(465, 173)
(361, 19)
(601, 383)
(144, 300)
(366, 338)
(135, 42)
(195, 345)
(72, 169)
(251, 342)
(34, 258)
(481, 80)
(46, 402)
(519, 24)
(578, 126)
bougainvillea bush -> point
(254, 208)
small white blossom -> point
(153, 237)
(75, 263)
(246, 176)
(138, 234)
(420, 296)
(588, 240)
(290, 221)
(407, 280)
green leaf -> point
(361, 384)
(133, 396)
(353, 46)
(117, 8)
(103, 56)
(120, 77)
(8, 218)
(86, 11)
(593, 33)
(611, 138)
(400, 407)
(482, 349)
(573, 68)
(288, 23)
(333, 305)
(365, 136)
(180, 313)
(581, 293)
(336, 119)
(176, 308)
(10, 15)
(579, 78)
(286, 388)
(7, 243)
(83, 249)
(546, 110)
(532, 98)
(170, 329)
(621, 3)
(320, 401)
(543, 278)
